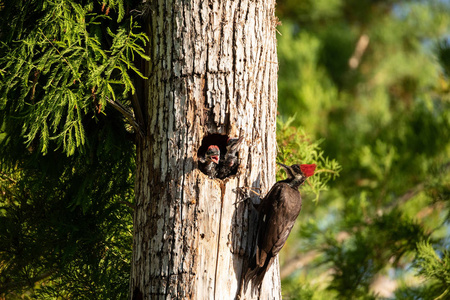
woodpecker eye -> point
(296, 169)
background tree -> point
(365, 76)
(76, 82)
(368, 80)
(212, 75)
(66, 217)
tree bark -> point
(213, 70)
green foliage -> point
(296, 147)
(443, 52)
(64, 67)
(435, 268)
(372, 246)
(304, 88)
(432, 266)
(301, 288)
(367, 81)
(65, 217)
(370, 80)
(65, 228)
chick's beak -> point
(215, 158)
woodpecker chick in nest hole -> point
(229, 163)
(209, 163)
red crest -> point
(213, 147)
(308, 169)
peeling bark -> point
(213, 70)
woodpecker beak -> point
(233, 143)
(287, 169)
(239, 141)
(283, 165)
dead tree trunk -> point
(212, 75)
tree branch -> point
(297, 262)
(361, 47)
(6, 177)
(8, 286)
(127, 114)
(127, 204)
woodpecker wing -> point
(278, 212)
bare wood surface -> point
(209, 74)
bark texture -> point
(213, 70)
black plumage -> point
(229, 163)
(209, 163)
(277, 211)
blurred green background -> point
(364, 92)
(370, 79)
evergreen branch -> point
(327, 171)
(68, 63)
(297, 262)
(128, 204)
(412, 192)
(6, 177)
(127, 114)
(444, 294)
(28, 282)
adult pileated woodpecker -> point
(210, 162)
(229, 163)
(278, 211)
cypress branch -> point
(52, 74)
